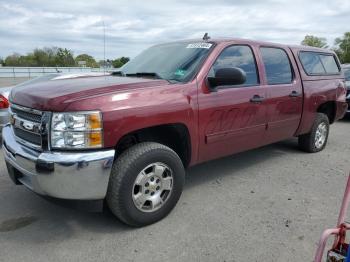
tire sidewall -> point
(322, 118)
(131, 212)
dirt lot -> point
(269, 204)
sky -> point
(132, 26)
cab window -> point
(240, 56)
(277, 66)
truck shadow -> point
(346, 118)
(228, 166)
(47, 221)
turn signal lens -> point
(94, 121)
(95, 139)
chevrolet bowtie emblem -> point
(27, 125)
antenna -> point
(104, 47)
(206, 37)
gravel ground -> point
(268, 204)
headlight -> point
(80, 130)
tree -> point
(52, 56)
(2, 61)
(13, 60)
(64, 57)
(28, 60)
(90, 61)
(343, 47)
(315, 41)
(40, 57)
(119, 62)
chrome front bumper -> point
(4, 118)
(66, 175)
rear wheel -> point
(145, 184)
(316, 140)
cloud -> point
(134, 25)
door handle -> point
(257, 99)
(294, 94)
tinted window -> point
(329, 64)
(237, 56)
(312, 63)
(318, 64)
(347, 74)
(277, 66)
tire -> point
(121, 194)
(308, 142)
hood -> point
(56, 93)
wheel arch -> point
(328, 108)
(174, 135)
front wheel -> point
(145, 184)
(316, 140)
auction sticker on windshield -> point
(199, 45)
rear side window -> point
(347, 74)
(241, 57)
(318, 63)
(312, 63)
(329, 64)
(277, 66)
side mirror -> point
(227, 77)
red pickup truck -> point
(128, 137)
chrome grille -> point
(30, 126)
(26, 115)
(27, 136)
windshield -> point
(347, 74)
(172, 62)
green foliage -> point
(90, 61)
(39, 57)
(119, 62)
(64, 57)
(13, 60)
(2, 61)
(43, 57)
(48, 56)
(315, 41)
(343, 47)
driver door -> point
(232, 118)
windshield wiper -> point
(118, 73)
(173, 80)
(145, 74)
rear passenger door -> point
(284, 93)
